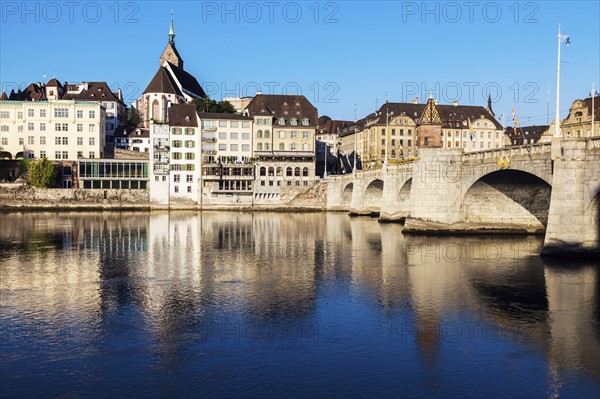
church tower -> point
(170, 53)
(430, 127)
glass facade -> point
(113, 174)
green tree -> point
(42, 173)
(209, 105)
(133, 118)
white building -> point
(56, 129)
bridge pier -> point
(436, 192)
(396, 193)
(357, 204)
(573, 226)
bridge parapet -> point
(593, 143)
(539, 149)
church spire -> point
(489, 105)
(172, 30)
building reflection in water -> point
(173, 281)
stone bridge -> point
(551, 188)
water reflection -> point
(248, 304)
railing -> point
(523, 150)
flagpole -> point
(557, 132)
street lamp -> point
(593, 93)
(567, 40)
(387, 122)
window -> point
(176, 130)
(222, 147)
(43, 140)
(92, 154)
(293, 134)
(305, 172)
(281, 121)
(259, 134)
(65, 141)
(19, 115)
(4, 114)
(305, 147)
(246, 124)
(288, 171)
(222, 123)
(42, 154)
(42, 127)
(281, 134)
(222, 135)
(305, 122)
(176, 155)
(263, 171)
(80, 127)
(91, 128)
(30, 140)
(176, 189)
(4, 128)
(92, 114)
(189, 156)
(297, 172)
(294, 122)
(30, 113)
(177, 178)
(79, 154)
(189, 189)
(57, 154)
(177, 143)
(259, 146)
(246, 147)
(65, 154)
(305, 134)
(57, 140)
(267, 134)
(4, 140)
(61, 112)
(234, 147)
(234, 124)
(281, 146)
(233, 136)
(92, 141)
(30, 126)
(293, 147)
(79, 140)
(189, 178)
(79, 114)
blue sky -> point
(342, 55)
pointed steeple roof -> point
(3, 97)
(431, 115)
(489, 106)
(172, 30)
(170, 52)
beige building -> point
(55, 129)
(579, 121)
(284, 143)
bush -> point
(42, 173)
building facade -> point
(55, 129)
(284, 144)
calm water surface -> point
(286, 305)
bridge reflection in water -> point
(232, 303)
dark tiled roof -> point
(54, 82)
(162, 83)
(183, 115)
(588, 103)
(144, 133)
(187, 81)
(33, 92)
(214, 115)
(452, 116)
(96, 91)
(534, 131)
(332, 126)
(284, 106)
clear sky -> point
(344, 56)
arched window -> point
(259, 134)
(281, 146)
(297, 171)
(294, 122)
(155, 110)
(288, 171)
(281, 121)
(305, 121)
(271, 171)
(263, 171)
(267, 134)
(279, 171)
(305, 172)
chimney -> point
(455, 103)
(258, 92)
(120, 94)
(415, 100)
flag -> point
(471, 132)
(515, 121)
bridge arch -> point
(347, 194)
(5, 155)
(374, 192)
(511, 198)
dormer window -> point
(305, 122)
(294, 122)
(281, 121)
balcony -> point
(209, 152)
(209, 128)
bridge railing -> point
(523, 150)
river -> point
(220, 304)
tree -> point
(209, 105)
(133, 118)
(42, 173)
